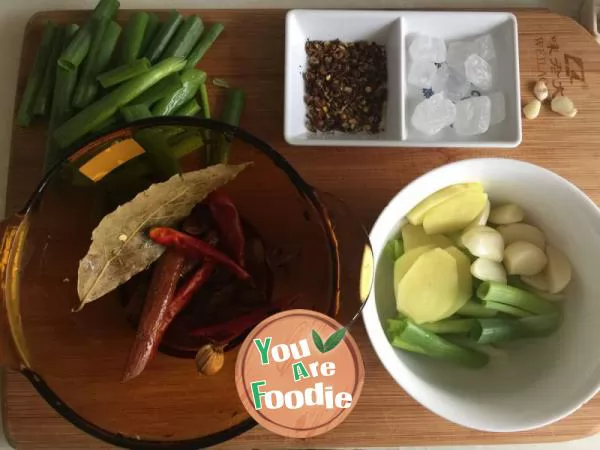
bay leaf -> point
(120, 248)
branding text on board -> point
(318, 395)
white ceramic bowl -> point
(395, 30)
(535, 382)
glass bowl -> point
(76, 359)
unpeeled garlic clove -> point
(532, 109)
(563, 105)
(540, 90)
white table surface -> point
(14, 14)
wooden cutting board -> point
(251, 54)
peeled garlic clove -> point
(538, 282)
(522, 232)
(563, 105)
(484, 242)
(524, 258)
(540, 90)
(506, 214)
(558, 271)
(487, 270)
(548, 296)
(573, 113)
(482, 218)
(532, 109)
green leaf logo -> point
(332, 341)
(318, 341)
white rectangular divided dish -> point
(395, 30)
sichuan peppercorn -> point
(345, 86)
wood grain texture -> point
(250, 54)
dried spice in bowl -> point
(345, 86)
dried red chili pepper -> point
(193, 283)
(228, 221)
(162, 288)
(224, 332)
(192, 264)
(184, 293)
(195, 248)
